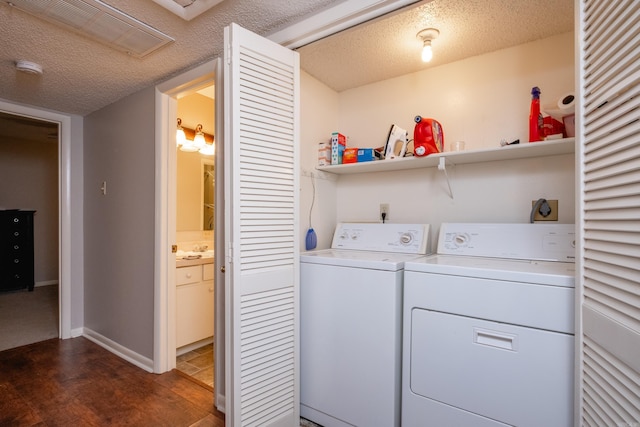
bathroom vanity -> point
(194, 300)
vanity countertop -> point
(187, 259)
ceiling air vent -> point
(98, 21)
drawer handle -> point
(495, 339)
(16, 219)
(211, 289)
(16, 261)
(188, 275)
(16, 247)
(15, 233)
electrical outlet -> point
(384, 211)
(553, 214)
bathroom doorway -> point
(195, 228)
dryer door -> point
(516, 375)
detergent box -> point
(324, 153)
(338, 144)
(365, 155)
(350, 155)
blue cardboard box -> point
(365, 155)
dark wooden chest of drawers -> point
(16, 250)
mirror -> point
(191, 171)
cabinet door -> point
(194, 320)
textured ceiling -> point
(388, 47)
(81, 76)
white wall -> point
(479, 100)
(319, 117)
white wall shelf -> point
(519, 151)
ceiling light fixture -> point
(190, 140)
(427, 35)
(28, 67)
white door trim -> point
(64, 206)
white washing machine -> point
(351, 324)
(488, 328)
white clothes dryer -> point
(351, 324)
(488, 328)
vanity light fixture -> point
(190, 140)
(427, 35)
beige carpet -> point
(28, 317)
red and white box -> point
(324, 153)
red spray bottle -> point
(536, 125)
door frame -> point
(167, 95)
(64, 207)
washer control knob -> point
(461, 239)
(406, 238)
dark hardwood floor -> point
(75, 382)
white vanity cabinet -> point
(194, 297)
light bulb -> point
(427, 53)
(208, 149)
(181, 138)
(189, 147)
(198, 139)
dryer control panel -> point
(543, 242)
(399, 238)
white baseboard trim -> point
(77, 332)
(220, 402)
(46, 283)
(187, 348)
(119, 350)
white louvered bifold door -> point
(262, 255)
(609, 168)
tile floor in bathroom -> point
(198, 364)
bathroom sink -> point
(194, 254)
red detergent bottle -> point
(428, 137)
(536, 125)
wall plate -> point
(553, 216)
